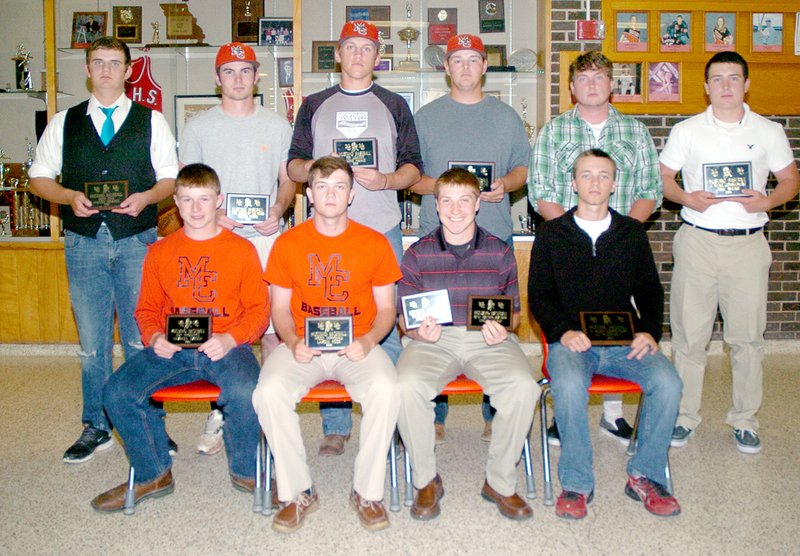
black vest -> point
(127, 157)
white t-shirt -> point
(702, 139)
(594, 228)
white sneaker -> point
(211, 442)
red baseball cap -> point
(360, 28)
(465, 42)
(236, 52)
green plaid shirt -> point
(628, 142)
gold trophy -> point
(409, 35)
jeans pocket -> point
(147, 237)
(71, 239)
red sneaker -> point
(572, 505)
(656, 499)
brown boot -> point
(426, 503)
(512, 507)
(333, 445)
(371, 513)
(290, 518)
(114, 500)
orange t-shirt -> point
(221, 276)
(332, 276)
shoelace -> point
(371, 504)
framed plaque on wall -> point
(244, 18)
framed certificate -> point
(608, 328)
(328, 333)
(189, 330)
(419, 306)
(727, 179)
(481, 308)
(247, 208)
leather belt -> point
(727, 231)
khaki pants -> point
(732, 273)
(503, 372)
(372, 382)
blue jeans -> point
(337, 418)
(571, 374)
(104, 275)
(140, 423)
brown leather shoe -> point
(249, 485)
(371, 513)
(333, 445)
(114, 500)
(426, 503)
(291, 516)
(512, 507)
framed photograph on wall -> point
(275, 31)
(627, 82)
(189, 106)
(664, 82)
(128, 23)
(767, 32)
(720, 31)
(322, 56)
(632, 32)
(675, 31)
(86, 27)
(380, 16)
(496, 55)
(408, 96)
(285, 72)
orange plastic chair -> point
(199, 391)
(332, 391)
(601, 385)
(463, 385)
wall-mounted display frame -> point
(322, 56)
(720, 31)
(627, 82)
(275, 31)
(128, 23)
(381, 16)
(245, 15)
(767, 32)
(86, 27)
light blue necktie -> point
(107, 133)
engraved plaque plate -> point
(106, 195)
(329, 333)
(358, 152)
(247, 208)
(442, 24)
(608, 328)
(189, 330)
(728, 179)
(481, 308)
(484, 171)
(419, 306)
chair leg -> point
(548, 484)
(267, 508)
(258, 491)
(632, 444)
(409, 490)
(394, 498)
(530, 491)
(668, 472)
(129, 508)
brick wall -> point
(783, 231)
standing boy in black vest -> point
(111, 144)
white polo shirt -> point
(702, 139)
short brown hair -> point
(593, 153)
(109, 43)
(327, 165)
(594, 59)
(458, 177)
(198, 175)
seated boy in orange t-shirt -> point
(330, 267)
(201, 269)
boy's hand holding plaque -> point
(189, 330)
(608, 328)
(362, 152)
(419, 306)
(481, 308)
(106, 195)
(247, 208)
(329, 333)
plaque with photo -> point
(728, 179)
(442, 24)
(362, 152)
(247, 208)
(481, 308)
(608, 328)
(767, 32)
(106, 195)
(189, 330)
(484, 171)
(632, 31)
(329, 333)
(419, 306)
